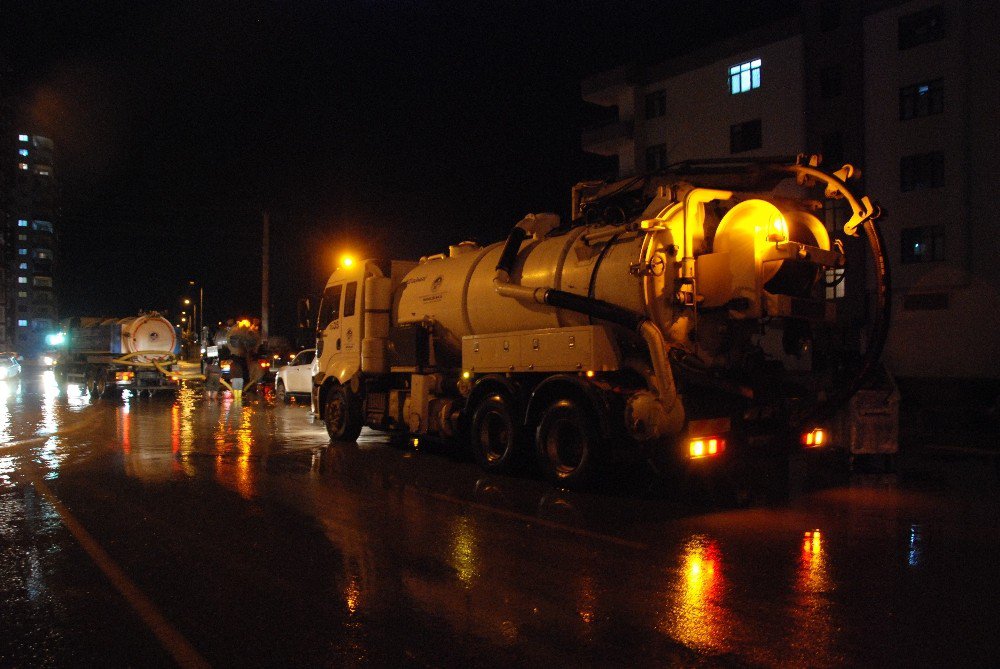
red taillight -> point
(704, 447)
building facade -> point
(908, 92)
(29, 244)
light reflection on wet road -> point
(263, 547)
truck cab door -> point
(338, 341)
(328, 324)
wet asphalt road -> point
(154, 532)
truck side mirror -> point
(304, 313)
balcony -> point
(608, 88)
(607, 140)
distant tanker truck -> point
(685, 316)
(138, 353)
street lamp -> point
(201, 305)
(194, 315)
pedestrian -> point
(237, 373)
(213, 378)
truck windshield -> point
(329, 308)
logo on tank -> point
(435, 296)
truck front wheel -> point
(567, 444)
(343, 414)
(493, 436)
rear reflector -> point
(704, 447)
(814, 438)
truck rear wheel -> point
(493, 436)
(343, 414)
(567, 444)
(100, 385)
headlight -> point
(48, 361)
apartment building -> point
(908, 92)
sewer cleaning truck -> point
(139, 353)
(680, 317)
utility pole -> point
(265, 277)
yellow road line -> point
(534, 520)
(172, 641)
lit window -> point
(835, 284)
(923, 244)
(22, 166)
(744, 77)
(22, 293)
(42, 226)
(43, 254)
(23, 152)
(23, 265)
(22, 323)
(22, 252)
(22, 238)
(22, 138)
(744, 136)
(22, 223)
(22, 279)
(43, 281)
(923, 99)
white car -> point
(295, 378)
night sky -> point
(390, 127)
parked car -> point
(295, 378)
(10, 367)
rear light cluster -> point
(815, 438)
(705, 447)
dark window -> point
(829, 15)
(656, 157)
(921, 27)
(744, 136)
(656, 104)
(350, 298)
(923, 244)
(329, 308)
(921, 171)
(830, 82)
(925, 302)
(921, 99)
(833, 149)
(835, 214)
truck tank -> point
(147, 333)
(631, 267)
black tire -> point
(568, 446)
(342, 414)
(493, 436)
(279, 392)
(101, 385)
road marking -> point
(173, 642)
(523, 517)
